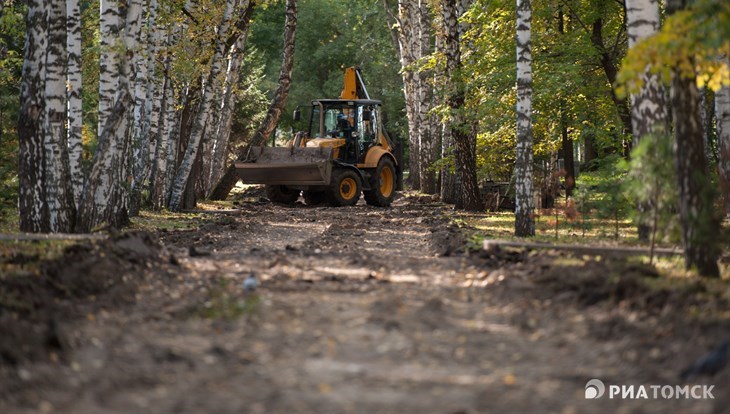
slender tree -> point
(524, 203)
(427, 137)
(31, 200)
(609, 56)
(198, 128)
(59, 192)
(699, 221)
(722, 115)
(74, 93)
(104, 200)
(566, 139)
(465, 155)
(268, 125)
(447, 176)
(648, 108)
(109, 31)
(228, 104)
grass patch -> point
(9, 221)
(156, 220)
(593, 231)
(227, 302)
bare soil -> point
(358, 310)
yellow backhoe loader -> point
(344, 152)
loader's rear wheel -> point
(281, 194)
(312, 198)
(345, 188)
(383, 184)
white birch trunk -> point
(105, 195)
(173, 125)
(228, 104)
(427, 143)
(74, 94)
(196, 133)
(158, 176)
(109, 21)
(141, 140)
(409, 51)
(524, 201)
(32, 211)
(722, 115)
(648, 107)
(59, 193)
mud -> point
(357, 310)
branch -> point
(187, 13)
(576, 17)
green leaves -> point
(691, 40)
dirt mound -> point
(88, 276)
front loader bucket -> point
(286, 166)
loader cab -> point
(350, 127)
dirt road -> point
(357, 310)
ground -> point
(357, 310)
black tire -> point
(281, 194)
(345, 188)
(383, 184)
(313, 198)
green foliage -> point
(330, 37)
(251, 100)
(603, 192)
(12, 39)
(569, 84)
(652, 183)
(690, 40)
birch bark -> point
(196, 134)
(74, 93)
(59, 192)
(722, 115)
(524, 199)
(268, 125)
(33, 215)
(104, 200)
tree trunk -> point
(409, 51)
(447, 174)
(220, 147)
(74, 94)
(104, 199)
(463, 145)
(448, 177)
(568, 162)
(33, 215)
(405, 38)
(566, 141)
(722, 115)
(428, 150)
(648, 107)
(196, 134)
(524, 201)
(158, 189)
(699, 221)
(611, 71)
(109, 24)
(699, 224)
(59, 192)
(141, 139)
(590, 149)
(268, 125)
